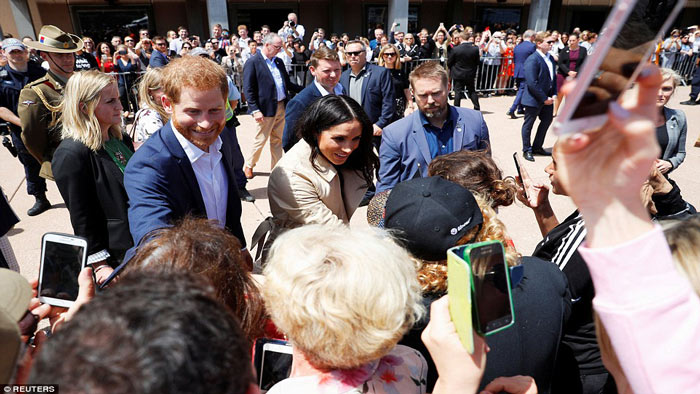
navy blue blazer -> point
(295, 107)
(259, 85)
(162, 186)
(377, 93)
(520, 54)
(404, 150)
(538, 81)
(158, 59)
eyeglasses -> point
(355, 53)
(389, 54)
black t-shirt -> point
(662, 138)
(560, 246)
(85, 61)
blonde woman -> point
(151, 116)
(88, 167)
(390, 58)
(344, 309)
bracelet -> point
(96, 270)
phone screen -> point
(491, 288)
(628, 39)
(275, 367)
(60, 267)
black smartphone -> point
(273, 362)
(62, 258)
(516, 159)
(492, 304)
(624, 46)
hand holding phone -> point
(62, 258)
(530, 193)
(273, 362)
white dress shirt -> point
(337, 90)
(277, 76)
(211, 176)
(550, 65)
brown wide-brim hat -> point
(53, 39)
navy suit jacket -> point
(404, 150)
(158, 59)
(377, 93)
(259, 85)
(538, 81)
(163, 188)
(295, 108)
(520, 54)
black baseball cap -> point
(432, 214)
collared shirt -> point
(277, 76)
(337, 90)
(440, 139)
(550, 65)
(176, 45)
(356, 84)
(211, 176)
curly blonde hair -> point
(432, 275)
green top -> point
(119, 152)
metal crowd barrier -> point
(681, 63)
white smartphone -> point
(624, 46)
(62, 258)
(275, 364)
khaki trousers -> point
(271, 127)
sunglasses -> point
(160, 44)
(129, 40)
(355, 53)
(389, 54)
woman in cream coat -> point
(323, 178)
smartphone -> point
(273, 362)
(624, 46)
(491, 289)
(122, 52)
(516, 159)
(62, 258)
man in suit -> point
(186, 167)
(437, 128)
(463, 62)
(520, 54)
(369, 85)
(325, 67)
(538, 95)
(159, 57)
(266, 85)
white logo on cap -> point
(459, 228)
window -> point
(101, 23)
(379, 15)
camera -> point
(122, 52)
(8, 144)
(291, 23)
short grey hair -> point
(528, 33)
(270, 37)
(364, 47)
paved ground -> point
(505, 139)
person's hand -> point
(258, 117)
(603, 170)
(459, 371)
(512, 385)
(377, 130)
(659, 184)
(537, 193)
(572, 74)
(86, 292)
(393, 26)
(549, 101)
(663, 165)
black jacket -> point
(563, 63)
(463, 61)
(92, 186)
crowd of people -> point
(172, 299)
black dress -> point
(400, 80)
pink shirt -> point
(650, 312)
